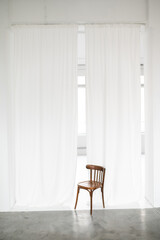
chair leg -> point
(102, 197)
(76, 198)
(91, 194)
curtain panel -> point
(44, 114)
(113, 108)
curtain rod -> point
(28, 24)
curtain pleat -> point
(44, 114)
(113, 108)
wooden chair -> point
(97, 175)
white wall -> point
(4, 166)
(40, 11)
(153, 105)
(149, 177)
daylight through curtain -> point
(44, 114)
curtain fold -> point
(45, 114)
(113, 108)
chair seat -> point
(90, 185)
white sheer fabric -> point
(44, 114)
(113, 108)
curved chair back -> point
(97, 173)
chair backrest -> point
(97, 173)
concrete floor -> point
(103, 225)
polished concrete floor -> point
(103, 225)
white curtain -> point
(113, 108)
(44, 115)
